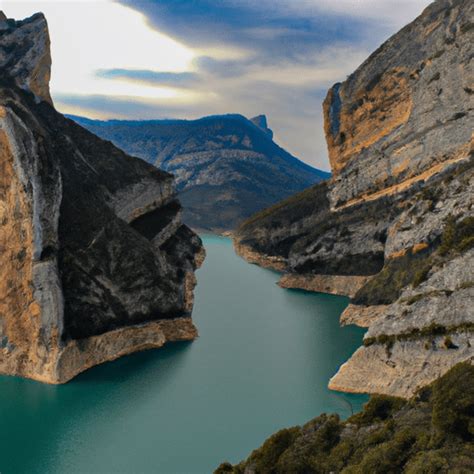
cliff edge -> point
(95, 261)
(394, 227)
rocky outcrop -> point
(362, 316)
(335, 284)
(261, 122)
(226, 167)
(407, 108)
(394, 227)
(95, 260)
(28, 62)
(266, 261)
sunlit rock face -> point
(394, 227)
(95, 262)
(407, 108)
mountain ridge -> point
(226, 166)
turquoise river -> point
(262, 362)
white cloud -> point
(321, 69)
(100, 34)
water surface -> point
(262, 362)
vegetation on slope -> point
(305, 203)
(413, 268)
(431, 433)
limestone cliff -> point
(28, 61)
(95, 262)
(406, 112)
(394, 228)
(261, 122)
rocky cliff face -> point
(405, 113)
(226, 167)
(95, 261)
(394, 229)
(28, 61)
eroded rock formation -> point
(95, 261)
(405, 111)
(394, 228)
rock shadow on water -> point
(53, 413)
(133, 365)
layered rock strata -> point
(95, 261)
(406, 112)
(394, 228)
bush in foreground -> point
(431, 433)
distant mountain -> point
(226, 167)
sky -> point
(151, 59)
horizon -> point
(241, 57)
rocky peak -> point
(261, 122)
(25, 54)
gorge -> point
(97, 262)
(187, 406)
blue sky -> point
(190, 58)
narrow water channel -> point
(262, 362)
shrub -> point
(421, 274)
(320, 436)
(453, 403)
(273, 448)
(379, 407)
(388, 457)
(224, 468)
(427, 463)
(397, 273)
(457, 236)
